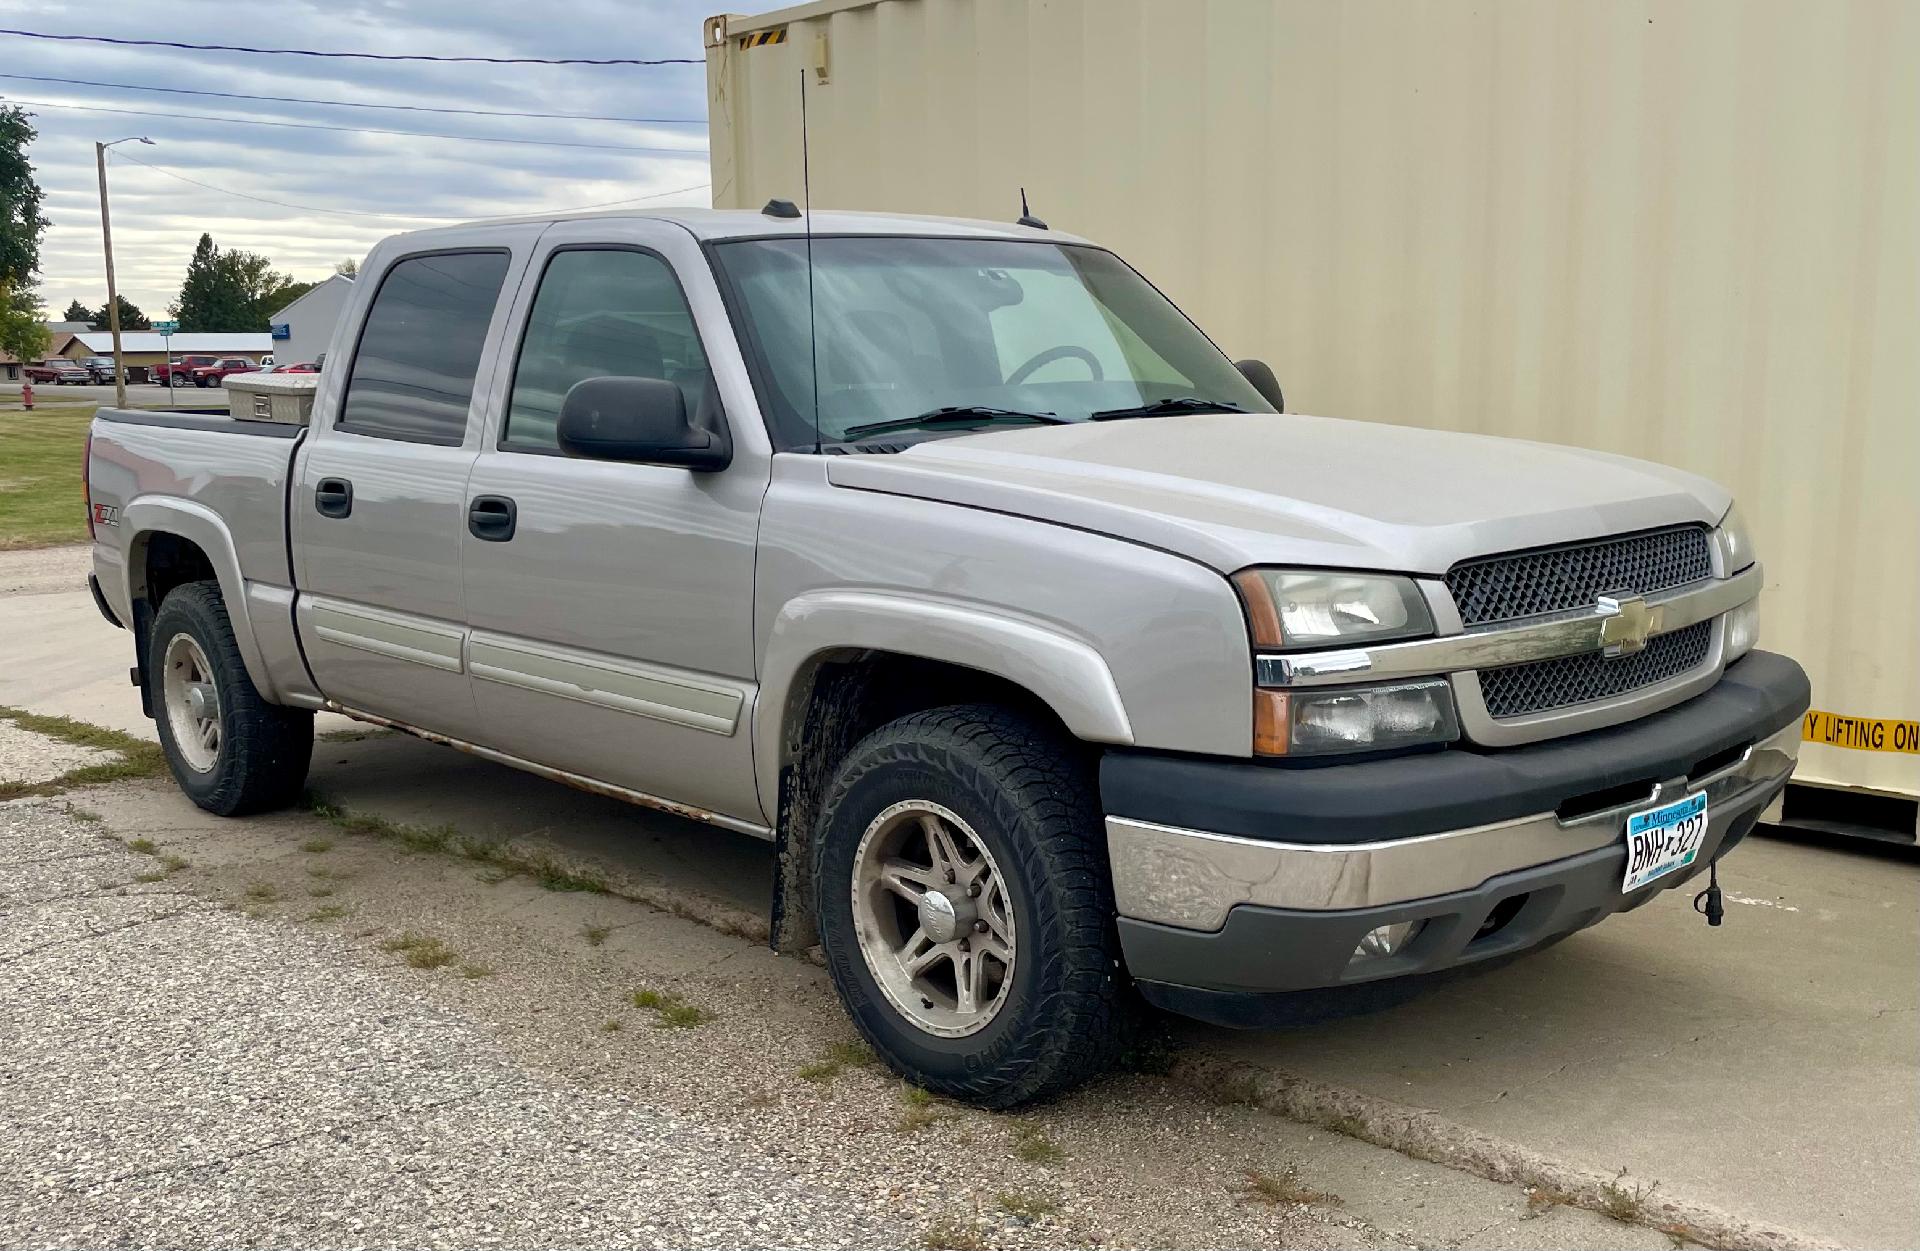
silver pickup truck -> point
(1061, 665)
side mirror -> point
(637, 419)
(1264, 382)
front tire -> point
(230, 750)
(966, 907)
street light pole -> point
(113, 293)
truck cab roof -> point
(714, 224)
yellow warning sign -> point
(760, 39)
(1861, 733)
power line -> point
(312, 208)
(357, 130)
(357, 56)
(358, 104)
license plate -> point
(1661, 840)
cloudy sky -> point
(404, 181)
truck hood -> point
(1238, 489)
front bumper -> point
(1497, 851)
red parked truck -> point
(213, 375)
(179, 373)
(57, 370)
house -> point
(301, 329)
(145, 347)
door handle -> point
(491, 518)
(333, 497)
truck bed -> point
(235, 469)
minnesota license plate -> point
(1664, 839)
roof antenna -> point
(1026, 218)
(806, 200)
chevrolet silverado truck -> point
(1062, 667)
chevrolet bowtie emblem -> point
(1627, 622)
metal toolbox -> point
(286, 398)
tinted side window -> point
(412, 377)
(602, 313)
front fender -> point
(146, 516)
(1064, 672)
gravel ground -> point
(29, 757)
(208, 1038)
(46, 570)
(181, 1074)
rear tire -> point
(230, 750)
(1013, 805)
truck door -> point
(611, 604)
(379, 511)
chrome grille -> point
(1541, 685)
(1555, 579)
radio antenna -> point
(806, 203)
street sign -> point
(165, 329)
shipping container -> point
(1679, 231)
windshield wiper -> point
(1166, 407)
(961, 416)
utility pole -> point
(113, 293)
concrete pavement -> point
(1770, 1068)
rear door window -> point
(412, 375)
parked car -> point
(99, 369)
(299, 367)
(57, 370)
(179, 372)
(1059, 663)
(211, 375)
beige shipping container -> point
(1684, 231)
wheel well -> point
(171, 561)
(162, 562)
(838, 700)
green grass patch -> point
(328, 912)
(40, 499)
(138, 758)
(422, 951)
(505, 861)
(669, 1010)
(596, 935)
(1031, 1144)
(263, 892)
(317, 846)
(474, 972)
(836, 1060)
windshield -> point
(906, 326)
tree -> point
(231, 291)
(22, 330)
(131, 318)
(348, 268)
(21, 226)
(20, 222)
(76, 311)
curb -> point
(1426, 1135)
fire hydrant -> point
(26, 394)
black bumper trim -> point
(1252, 971)
(100, 602)
(1407, 796)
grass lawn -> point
(40, 493)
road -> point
(1769, 1069)
(139, 395)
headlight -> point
(1743, 630)
(1353, 718)
(1735, 544)
(1291, 609)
